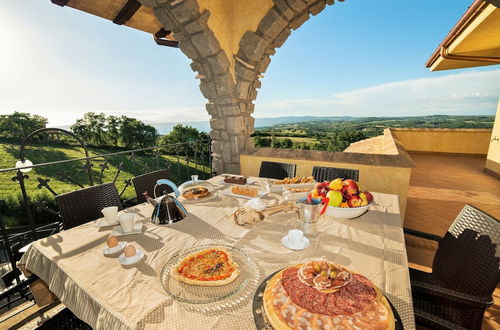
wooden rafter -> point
(126, 12)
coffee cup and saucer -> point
(295, 240)
(110, 217)
(127, 225)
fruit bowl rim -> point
(350, 208)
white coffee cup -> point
(126, 221)
(110, 214)
(295, 237)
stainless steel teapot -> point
(167, 209)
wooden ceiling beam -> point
(126, 13)
(61, 3)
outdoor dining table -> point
(107, 295)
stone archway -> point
(230, 43)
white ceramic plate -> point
(250, 181)
(107, 250)
(228, 192)
(130, 260)
(103, 223)
(286, 243)
(279, 187)
(117, 231)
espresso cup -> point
(126, 221)
(110, 214)
(295, 237)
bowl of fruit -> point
(345, 198)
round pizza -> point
(209, 267)
(322, 295)
(194, 193)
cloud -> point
(473, 92)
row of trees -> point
(336, 141)
(18, 125)
(100, 130)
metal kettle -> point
(167, 209)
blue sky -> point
(360, 58)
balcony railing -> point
(42, 217)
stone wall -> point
(230, 96)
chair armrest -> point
(461, 297)
(421, 234)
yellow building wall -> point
(493, 158)
(455, 141)
(391, 180)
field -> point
(336, 133)
(9, 190)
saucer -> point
(305, 243)
(117, 231)
(107, 250)
(103, 223)
(131, 260)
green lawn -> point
(10, 192)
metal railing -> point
(182, 159)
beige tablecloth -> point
(108, 295)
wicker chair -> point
(275, 170)
(64, 320)
(84, 205)
(147, 182)
(465, 272)
(331, 173)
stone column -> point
(231, 88)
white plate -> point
(250, 181)
(305, 243)
(107, 250)
(117, 231)
(279, 187)
(130, 260)
(228, 192)
(103, 223)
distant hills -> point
(165, 128)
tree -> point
(262, 142)
(181, 134)
(136, 134)
(113, 128)
(99, 130)
(19, 124)
(91, 128)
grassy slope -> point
(10, 192)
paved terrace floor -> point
(440, 186)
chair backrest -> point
(147, 182)
(468, 257)
(84, 205)
(331, 173)
(274, 170)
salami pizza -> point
(209, 267)
(322, 295)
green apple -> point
(335, 198)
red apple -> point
(318, 186)
(354, 201)
(325, 183)
(369, 196)
(349, 190)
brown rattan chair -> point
(147, 182)
(331, 173)
(465, 272)
(274, 170)
(84, 205)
